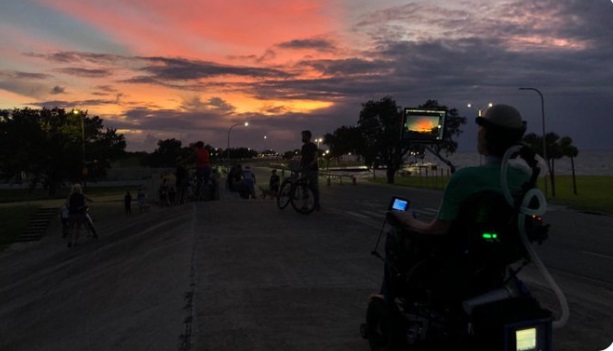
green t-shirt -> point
(471, 180)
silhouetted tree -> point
(571, 151)
(377, 136)
(166, 154)
(52, 146)
(343, 141)
(556, 149)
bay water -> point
(593, 162)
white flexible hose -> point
(526, 210)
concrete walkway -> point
(225, 275)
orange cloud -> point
(194, 28)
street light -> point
(76, 112)
(544, 142)
(480, 111)
(229, 130)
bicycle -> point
(296, 190)
(203, 190)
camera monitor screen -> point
(423, 125)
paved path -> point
(226, 275)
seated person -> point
(246, 187)
(235, 177)
(500, 128)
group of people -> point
(242, 180)
(500, 128)
(141, 199)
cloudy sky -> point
(190, 69)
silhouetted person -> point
(127, 202)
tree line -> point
(53, 146)
(375, 138)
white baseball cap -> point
(503, 116)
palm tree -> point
(570, 150)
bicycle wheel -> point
(303, 199)
(284, 195)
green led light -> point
(489, 236)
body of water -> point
(586, 163)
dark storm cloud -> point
(75, 57)
(220, 105)
(23, 75)
(106, 88)
(351, 66)
(268, 54)
(160, 70)
(312, 44)
(86, 72)
(25, 83)
(325, 89)
(193, 115)
(417, 51)
(71, 104)
(528, 42)
(181, 69)
(166, 120)
(58, 90)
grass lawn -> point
(594, 193)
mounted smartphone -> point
(398, 203)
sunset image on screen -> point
(423, 124)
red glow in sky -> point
(188, 69)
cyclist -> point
(203, 165)
(77, 209)
(309, 166)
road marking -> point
(597, 254)
(356, 214)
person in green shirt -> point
(500, 128)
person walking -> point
(127, 202)
(309, 165)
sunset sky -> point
(190, 69)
